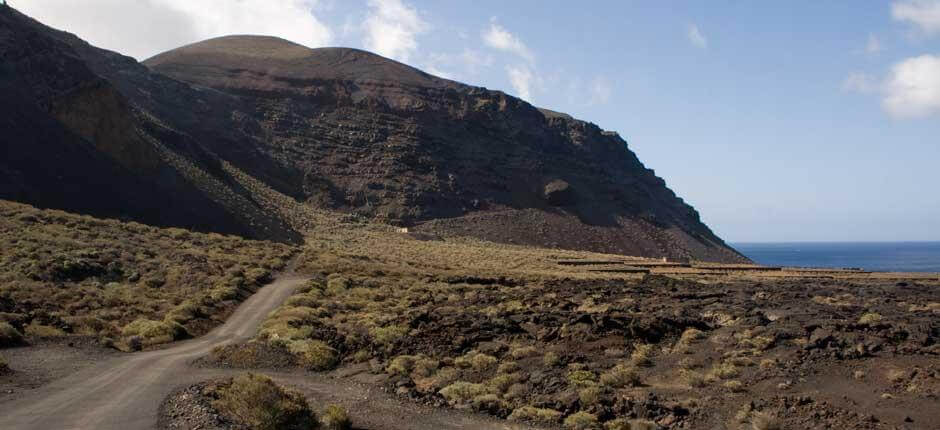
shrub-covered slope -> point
(63, 274)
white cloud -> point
(521, 79)
(913, 88)
(499, 38)
(391, 29)
(860, 82)
(924, 14)
(696, 37)
(600, 91)
(873, 46)
(142, 29)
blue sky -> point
(793, 121)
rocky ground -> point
(747, 351)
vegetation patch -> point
(66, 275)
(257, 402)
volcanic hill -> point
(197, 137)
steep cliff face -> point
(72, 139)
(380, 138)
(352, 131)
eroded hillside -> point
(173, 141)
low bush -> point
(257, 402)
(151, 332)
(870, 318)
(535, 415)
(401, 365)
(334, 417)
(582, 378)
(314, 354)
(35, 329)
(91, 326)
(591, 396)
(388, 335)
(462, 392)
(621, 375)
(642, 355)
(692, 378)
(9, 336)
(582, 421)
(550, 359)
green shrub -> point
(35, 329)
(257, 402)
(153, 332)
(692, 378)
(489, 403)
(734, 386)
(582, 378)
(89, 325)
(508, 367)
(401, 365)
(482, 362)
(9, 336)
(581, 421)
(723, 370)
(870, 318)
(621, 375)
(336, 284)
(642, 355)
(183, 313)
(533, 414)
(590, 396)
(462, 392)
(314, 354)
(522, 352)
(503, 381)
(550, 359)
(335, 418)
(4, 367)
(388, 335)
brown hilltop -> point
(348, 130)
(245, 61)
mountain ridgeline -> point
(188, 137)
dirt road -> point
(125, 392)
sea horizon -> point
(880, 256)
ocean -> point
(874, 256)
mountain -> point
(188, 137)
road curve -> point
(125, 392)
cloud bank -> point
(912, 89)
(499, 38)
(392, 28)
(923, 14)
(143, 28)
